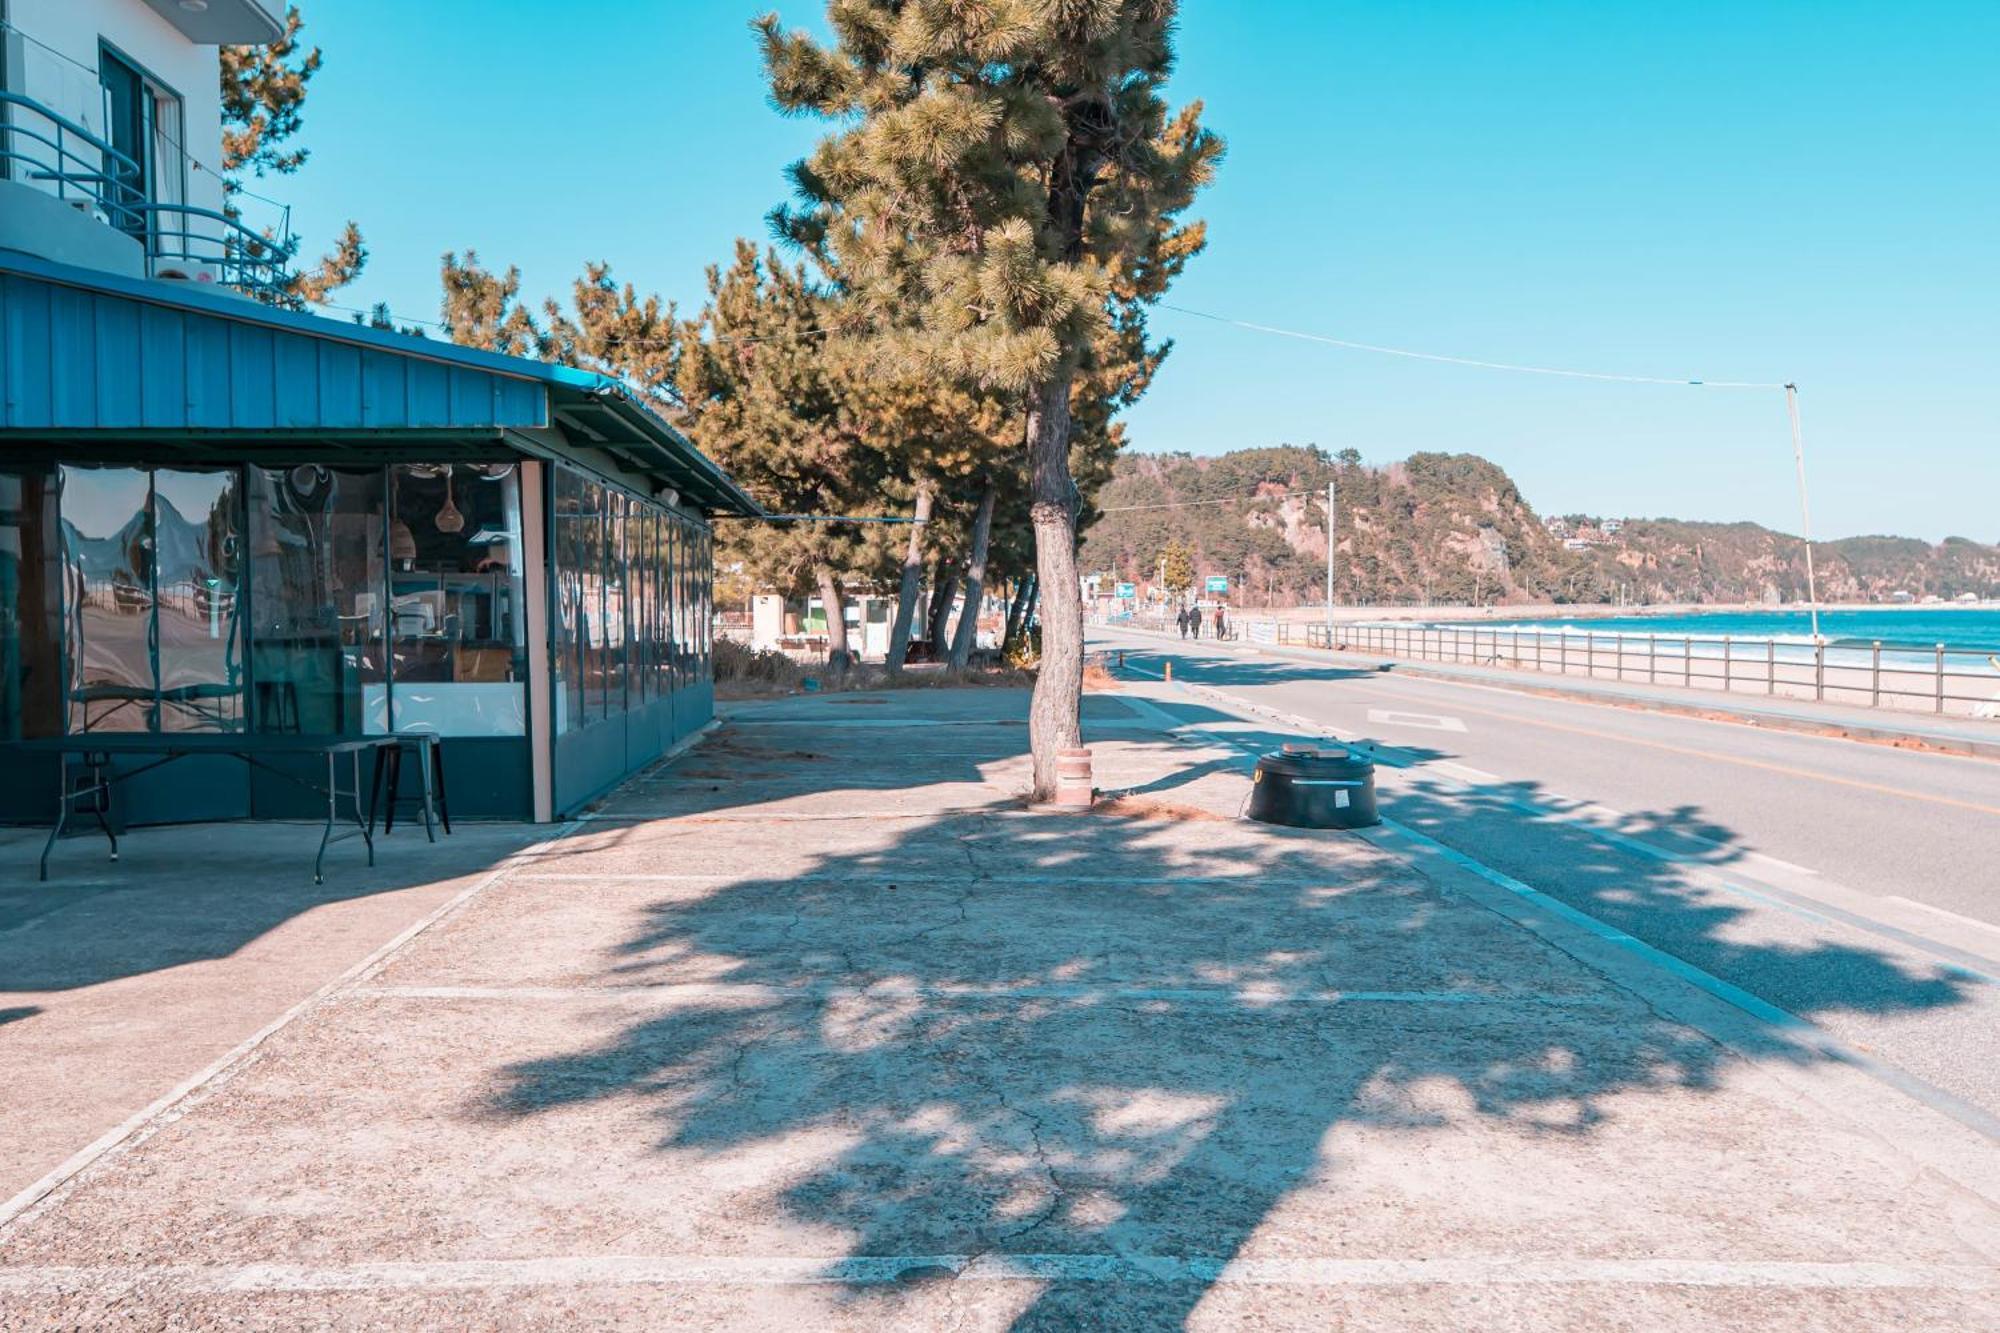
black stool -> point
(429, 749)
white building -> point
(110, 144)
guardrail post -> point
(1819, 671)
(1687, 660)
(1875, 675)
(1652, 657)
(1590, 655)
(1517, 649)
(1562, 651)
(1940, 678)
(1725, 664)
(1538, 649)
(1618, 658)
(1770, 666)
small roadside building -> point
(220, 516)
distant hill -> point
(1453, 528)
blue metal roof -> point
(90, 352)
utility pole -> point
(1329, 561)
(1805, 509)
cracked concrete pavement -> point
(819, 1026)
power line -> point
(1351, 345)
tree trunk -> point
(944, 586)
(913, 581)
(836, 618)
(1017, 613)
(975, 582)
(1054, 721)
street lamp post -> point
(1329, 562)
(1805, 508)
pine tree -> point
(770, 393)
(1001, 201)
(263, 107)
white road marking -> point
(1249, 995)
(1476, 776)
(1249, 879)
(1972, 922)
(1390, 717)
(624, 1270)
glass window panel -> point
(566, 689)
(316, 622)
(108, 598)
(198, 562)
(616, 617)
(639, 556)
(704, 573)
(674, 599)
(663, 621)
(591, 568)
(30, 606)
(456, 598)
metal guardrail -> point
(41, 147)
(1932, 677)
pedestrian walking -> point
(1194, 621)
(1180, 618)
(1221, 624)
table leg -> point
(424, 765)
(62, 810)
(374, 788)
(368, 827)
(326, 834)
(100, 805)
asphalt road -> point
(1855, 886)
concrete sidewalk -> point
(1954, 735)
(819, 1026)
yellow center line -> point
(1710, 755)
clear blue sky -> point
(1761, 190)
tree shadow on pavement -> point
(1086, 1043)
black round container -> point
(1312, 788)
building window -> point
(318, 648)
(458, 642)
(30, 607)
(151, 635)
(142, 120)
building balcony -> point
(68, 195)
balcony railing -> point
(44, 149)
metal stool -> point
(429, 748)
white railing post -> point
(1726, 670)
(1652, 657)
(1875, 675)
(1819, 670)
(1940, 678)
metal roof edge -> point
(244, 310)
(663, 434)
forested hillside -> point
(1452, 528)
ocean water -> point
(1971, 628)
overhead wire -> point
(1516, 367)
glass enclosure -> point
(333, 600)
(624, 598)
